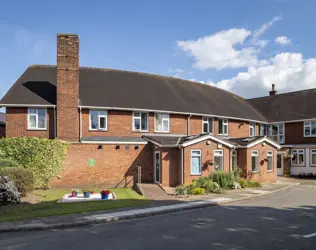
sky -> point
(241, 46)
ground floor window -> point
(196, 163)
(218, 160)
(313, 157)
(270, 161)
(254, 160)
(234, 159)
(298, 157)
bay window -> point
(298, 157)
(310, 129)
(98, 120)
(140, 122)
(36, 118)
(222, 127)
(207, 125)
(162, 123)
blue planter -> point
(104, 196)
(86, 194)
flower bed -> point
(67, 198)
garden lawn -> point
(126, 197)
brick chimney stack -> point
(67, 87)
(273, 91)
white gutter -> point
(28, 105)
(182, 163)
(80, 124)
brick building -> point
(173, 130)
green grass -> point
(48, 207)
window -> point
(207, 125)
(270, 161)
(313, 157)
(234, 159)
(263, 130)
(36, 118)
(140, 122)
(310, 129)
(162, 123)
(98, 120)
(298, 158)
(218, 160)
(222, 127)
(254, 161)
(252, 129)
(196, 165)
(280, 132)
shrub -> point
(302, 175)
(43, 157)
(254, 184)
(243, 182)
(22, 178)
(223, 179)
(190, 187)
(5, 163)
(310, 175)
(197, 191)
(181, 190)
(204, 182)
(237, 173)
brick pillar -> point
(67, 87)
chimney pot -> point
(273, 91)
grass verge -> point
(126, 197)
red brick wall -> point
(238, 128)
(68, 87)
(207, 154)
(294, 133)
(244, 162)
(16, 124)
(113, 167)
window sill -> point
(298, 166)
(223, 134)
(98, 130)
(270, 171)
(140, 131)
(196, 174)
(255, 172)
(163, 132)
(306, 136)
(36, 129)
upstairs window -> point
(222, 127)
(281, 137)
(298, 157)
(310, 129)
(255, 161)
(263, 130)
(252, 129)
(98, 120)
(36, 118)
(140, 122)
(207, 125)
(270, 161)
(162, 123)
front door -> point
(280, 164)
(157, 167)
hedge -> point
(43, 157)
(4, 163)
(22, 178)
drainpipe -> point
(182, 168)
(55, 122)
(80, 124)
(188, 125)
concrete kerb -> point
(133, 214)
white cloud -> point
(288, 71)
(283, 40)
(227, 48)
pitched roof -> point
(298, 105)
(251, 141)
(131, 90)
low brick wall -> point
(112, 167)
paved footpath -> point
(176, 204)
(283, 220)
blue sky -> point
(240, 46)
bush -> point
(243, 182)
(181, 190)
(43, 157)
(197, 191)
(22, 178)
(5, 163)
(204, 182)
(254, 184)
(190, 187)
(224, 179)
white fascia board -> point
(172, 112)
(206, 137)
(27, 105)
(265, 139)
(113, 142)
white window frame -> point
(312, 152)
(270, 153)
(162, 120)
(298, 151)
(196, 154)
(36, 119)
(308, 124)
(279, 135)
(234, 155)
(140, 122)
(206, 120)
(255, 153)
(99, 116)
(225, 123)
(252, 126)
(263, 130)
(216, 153)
